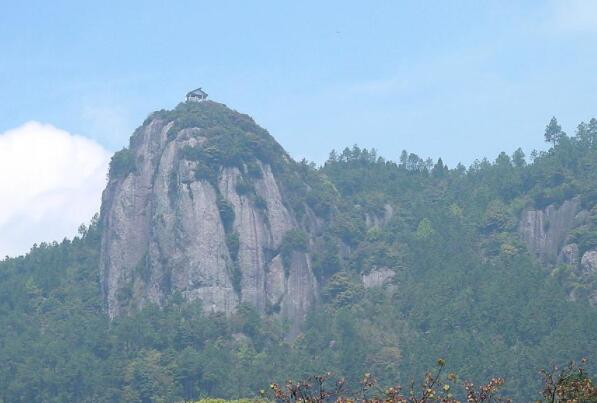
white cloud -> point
(578, 16)
(50, 182)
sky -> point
(459, 80)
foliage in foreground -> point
(570, 384)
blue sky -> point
(454, 79)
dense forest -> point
(464, 288)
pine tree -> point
(553, 132)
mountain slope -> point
(403, 262)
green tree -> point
(424, 229)
(148, 380)
(553, 132)
(518, 158)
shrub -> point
(260, 202)
(173, 186)
(121, 164)
(244, 187)
(342, 290)
(254, 171)
(226, 213)
(294, 240)
(233, 243)
(236, 277)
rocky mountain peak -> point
(197, 206)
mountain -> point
(218, 265)
(200, 204)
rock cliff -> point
(549, 234)
(545, 231)
(196, 206)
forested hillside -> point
(414, 261)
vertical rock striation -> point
(548, 234)
(195, 207)
(545, 231)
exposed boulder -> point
(378, 277)
(569, 255)
(588, 263)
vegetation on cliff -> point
(465, 286)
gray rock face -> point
(545, 231)
(379, 220)
(378, 277)
(547, 234)
(163, 232)
(588, 263)
(569, 255)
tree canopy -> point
(465, 286)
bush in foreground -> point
(569, 384)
